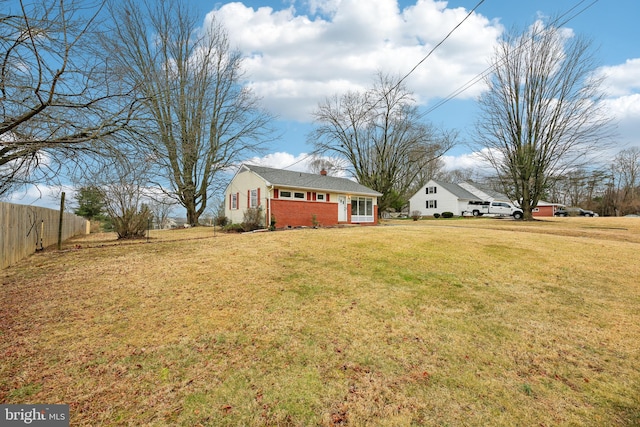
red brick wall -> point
(544, 211)
(295, 213)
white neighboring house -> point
(437, 197)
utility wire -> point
(556, 22)
(478, 78)
(409, 73)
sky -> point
(298, 52)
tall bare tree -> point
(197, 118)
(541, 114)
(627, 166)
(58, 98)
(381, 135)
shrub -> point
(416, 215)
(447, 214)
(221, 221)
(252, 219)
(132, 223)
(272, 223)
(233, 228)
(436, 215)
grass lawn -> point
(470, 322)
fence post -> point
(60, 222)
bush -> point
(221, 221)
(436, 215)
(272, 224)
(132, 223)
(416, 215)
(252, 219)
(447, 214)
(233, 228)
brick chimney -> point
(323, 172)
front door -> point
(342, 208)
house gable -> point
(438, 196)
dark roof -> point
(309, 181)
(456, 190)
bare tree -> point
(627, 166)
(331, 165)
(123, 187)
(541, 114)
(198, 118)
(381, 135)
(57, 96)
(160, 208)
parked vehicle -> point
(479, 208)
(573, 211)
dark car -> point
(574, 212)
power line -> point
(556, 22)
(410, 71)
(489, 69)
(436, 46)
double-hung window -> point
(253, 198)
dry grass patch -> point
(472, 322)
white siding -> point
(241, 184)
(446, 202)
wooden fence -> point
(25, 229)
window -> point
(297, 195)
(432, 204)
(361, 209)
(431, 190)
(320, 197)
(253, 199)
(234, 201)
(285, 194)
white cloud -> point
(626, 111)
(623, 79)
(473, 161)
(282, 160)
(46, 196)
(295, 60)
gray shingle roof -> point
(496, 195)
(308, 181)
(457, 191)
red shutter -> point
(238, 200)
(248, 198)
(328, 199)
(313, 196)
(230, 197)
(276, 193)
(308, 195)
(258, 196)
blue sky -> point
(300, 51)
